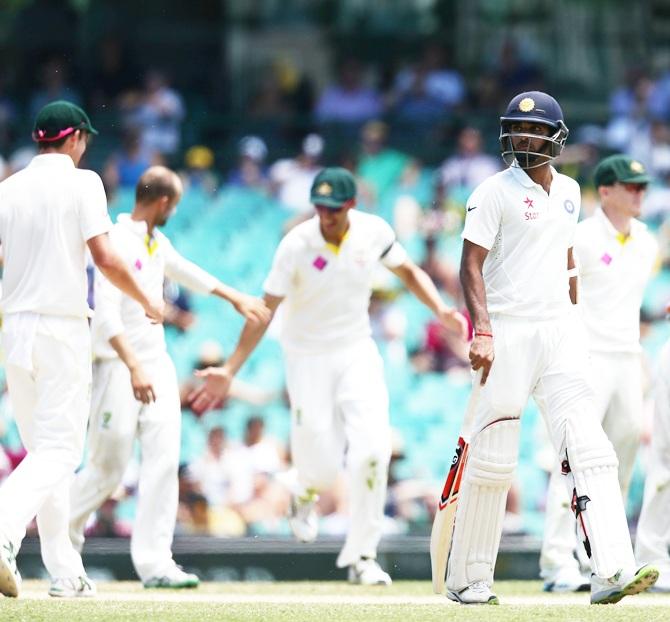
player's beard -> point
(533, 159)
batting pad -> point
(592, 473)
(481, 507)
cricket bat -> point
(443, 525)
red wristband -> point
(483, 335)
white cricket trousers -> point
(117, 418)
(546, 359)
(50, 406)
(616, 380)
(653, 528)
(339, 416)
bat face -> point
(453, 482)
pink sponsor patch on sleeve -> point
(138, 264)
(606, 259)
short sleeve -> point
(278, 281)
(391, 252)
(93, 217)
(483, 216)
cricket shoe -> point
(175, 579)
(663, 583)
(72, 587)
(303, 519)
(566, 579)
(367, 571)
(612, 590)
(10, 579)
(477, 593)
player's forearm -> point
(573, 283)
(124, 350)
(252, 333)
(229, 294)
(474, 292)
(421, 285)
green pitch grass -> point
(319, 602)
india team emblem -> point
(569, 206)
(526, 104)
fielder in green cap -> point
(323, 271)
(616, 258)
(51, 214)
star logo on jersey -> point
(529, 202)
(138, 264)
(320, 263)
(606, 259)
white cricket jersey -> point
(326, 289)
(150, 261)
(613, 271)
(48, 211)
(527, 233)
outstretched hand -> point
(212, 392)
(454, 321)
(252, 309)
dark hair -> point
(152, 186)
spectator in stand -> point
(124, 168)
(199, 173)
(250, 171)
(158, 110)
(430, 91)
(349, 99)
(224, 474)
(54, 85)
(114, 76)
(462, 172)
(379, 166)
(291, 178)
(8, 114)
(266, 454)
(441, 270)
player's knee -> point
(494, 454)
(586, 444)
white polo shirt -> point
(327, 289)
(48, 211)
(150, 261)
(613, 271)
(528, 233)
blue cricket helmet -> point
(532, 107)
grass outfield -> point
(323, 601)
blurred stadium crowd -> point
(235, 473)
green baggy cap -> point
(620, 168)
(59, 119)
(333, 187)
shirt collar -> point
(52, 159)
(316, 238)
(136, 226)
(635, 225)
(522, 177)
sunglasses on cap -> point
(633, 187)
